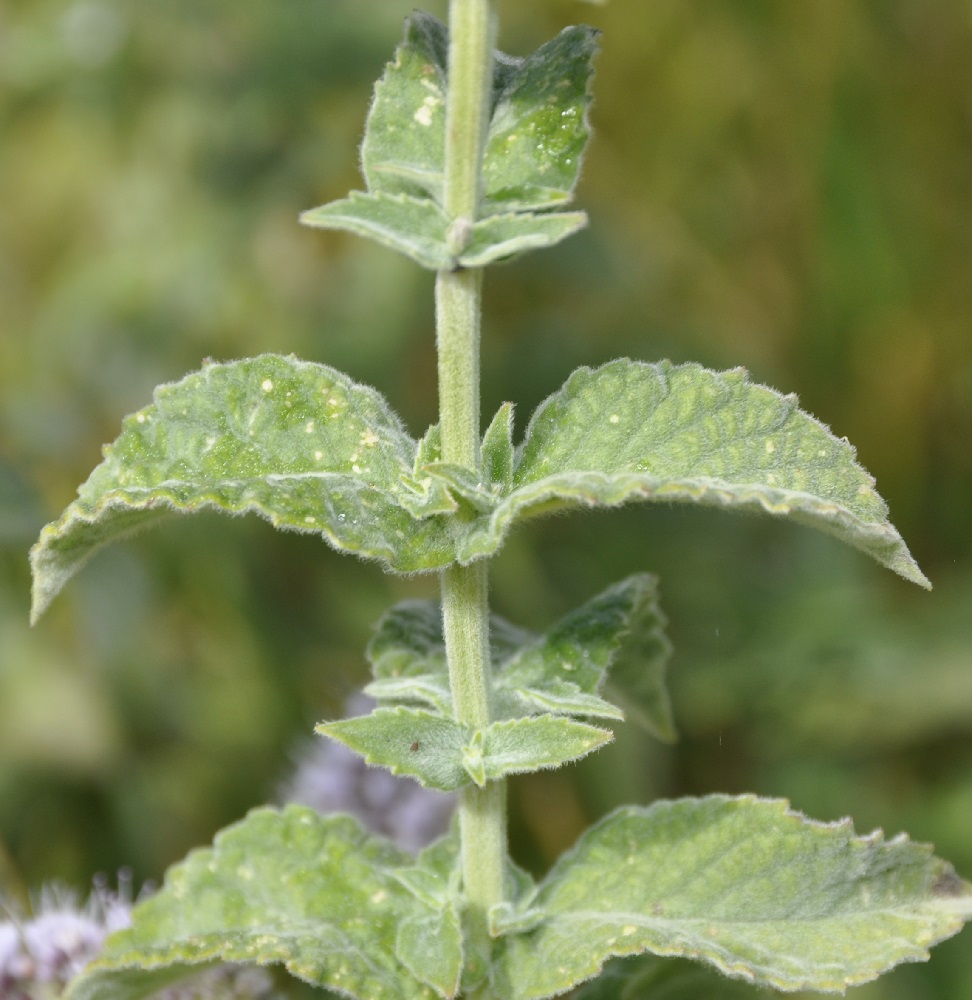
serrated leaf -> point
(404, 145)
(300, 444)
(444, 754)
(414, 742)
(499, 237)
(682, 433)
(617, 636)
(746, 885)
(314, 893)
(413, 226)
(538, 129)
(497, 450)
(516, 746)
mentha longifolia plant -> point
(470, 157)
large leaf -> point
(444, 754)
(300, 444)
(682, 433)
(316, 894)
(618, 636)
(744, 884)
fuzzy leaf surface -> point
(415, 227)
(444, 754)
(661, 979)
(682, 433)
(314, 893)
(300, 444)
(616, 638)
(744, 884)
(539, 128)
(499, 237)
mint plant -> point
(470, 157)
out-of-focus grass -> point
(781, 186)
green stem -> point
(465, 606)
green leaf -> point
(617, 635)
(497, 450)
(413, 226)
(539, 129)
(300, 444)
(499, 237)
(404, 145)
(443, 754)
(746, 885)
(430, 944)
(664, 432)
(408, 741)
(314, 893)
(661, 979)
(516, 746)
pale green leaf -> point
(619, 635)
(516, 746)
(300, 444)
(404, 145)
(538, 130)
(314, 893)
(444, 754)
(746, 885)
(499, 237)
(413, 226)
(413, 742)
(663, 432)
(497, 450)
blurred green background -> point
(785, 186)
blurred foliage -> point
(783, 186)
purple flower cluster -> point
(41, 953)
(331, 778)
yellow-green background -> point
(780, 184)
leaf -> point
(404, 145)
(430, 945)
(660, 979)
(314, 893)
(743, 884)
(617, 636)
(516, 746)
(499, 237)
(300, 444)
(664, 432)
(539, 129)
(497, 450)
(408, 741)
(413, 226)
(444, 754)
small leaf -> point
(539, 127)
(529, 744)
(622, 627)
(413, 226)
(661, 979)
(634, 431)
(408, 741)
(314, 893)
(404, 145)
(497, 450)
(499, 237)
(300, 444)
(759, 892)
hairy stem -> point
(465, 607)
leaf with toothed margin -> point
(743, 884)
(661, 979)
(631, 431)
(616, 639)
(300, 444)
(316, 894)
(499, 237)
(444, 754)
